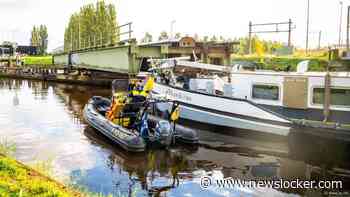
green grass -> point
(7, 147)
(19, 180)
(43, 167)
(37, 60)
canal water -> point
(45, 121)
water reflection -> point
(15, 100)
(47, 122)
(144, 168)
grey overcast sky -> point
(228, 18)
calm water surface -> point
(45, 121)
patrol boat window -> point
(266, 92)
(339, 96)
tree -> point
(259, 47)
(243, 46)
(102, 23)
(147, 38)
(8, 43)
(112, 24)
(221, 39)
(34, 39)
(163, 36)
(39, 38)
(178, 35)
(206, 39)
(94, 25)
(213, 39)
(43, 39)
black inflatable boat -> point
(94, 114)
(148, 131)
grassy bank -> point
(37, 60)
(281, 63)
(18, 180)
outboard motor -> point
(164, 132)
(143, 126)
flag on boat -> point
(149, 84)
(175, 114)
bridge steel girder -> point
(114, 60)
(61, 59)
(122, 59)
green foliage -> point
(18, 180)
(178, 35)
(281, 63)
(44, 167)
(39, 38)
(34, 38)
(92, 26)
(269, 47)
(7, 147)
(37, 60)
(147, 38)
(213, 39)
(9, 43)
(205, 39)
(163, 36)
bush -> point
(281, 63)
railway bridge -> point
(129, 58)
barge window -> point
(338, 96)
(267, 92)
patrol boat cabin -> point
(259, 100)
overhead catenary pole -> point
(290, 33)
(71, 40)
(79, 47)
(250, 37)
(130, 31)
(348, 31)
(277, 30)
(319, 40)
(340, 24)
(101, 39)
(307, 28)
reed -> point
(7, 147)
